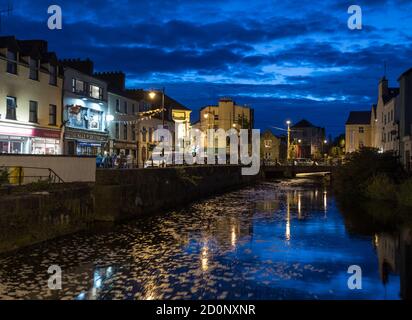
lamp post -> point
(288, 147)
(152, 96)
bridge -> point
(273, 171)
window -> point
(125, 107)
(117, 105)
(125, 132)
(33, 112)
(78, 86)
(144, 135)
(361, 130)
(11, 108)
(12, 62)
(95, 92)
(52, 115)
(150, 134)
(117, 133)
(361, 144)
(34, 69)
(268, 143)
(133, 108)
(133, 132)
(53, 75)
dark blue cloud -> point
(287, 60)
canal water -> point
(277, 240)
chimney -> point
(85, 66)
(115, 79)
(383, 87)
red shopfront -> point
(26, 140)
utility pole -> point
(7, 12)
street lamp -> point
(152, 95)
(288, 152)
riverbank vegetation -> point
(375, 176)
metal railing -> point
(18, 175)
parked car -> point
(303, 162)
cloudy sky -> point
(287, 59)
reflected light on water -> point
(205, 258)
(287, 235)
(325, 201)
(234, 236)
(300, 205)
(150, 289)
(376, 241)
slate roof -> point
(359, 117)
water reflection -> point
(283, 240)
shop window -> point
(53, 75)
(11, 108)
(33, 116)
(95, 120)
(34, 69)
(11, 62)
(125, 132)
(52, 115)
(4, 147)
(95, 92)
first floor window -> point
(52, 115)
(125, 132)
(78, 86)
(96, 92)
(117, 133)
(33, 112)
(11, 62)
(133, 132)
(11, 108)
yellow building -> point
(358, 131)
(226, 115)
(30, 98)
(270, 146)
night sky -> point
(287, 59)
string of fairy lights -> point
(141, 116)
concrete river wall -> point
(31, 217)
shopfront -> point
(25, 140)
(85, 143)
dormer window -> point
(11, 62)
(34, 69)
(53, 75)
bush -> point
(405, 193)
(350, 179)
(380, 187)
